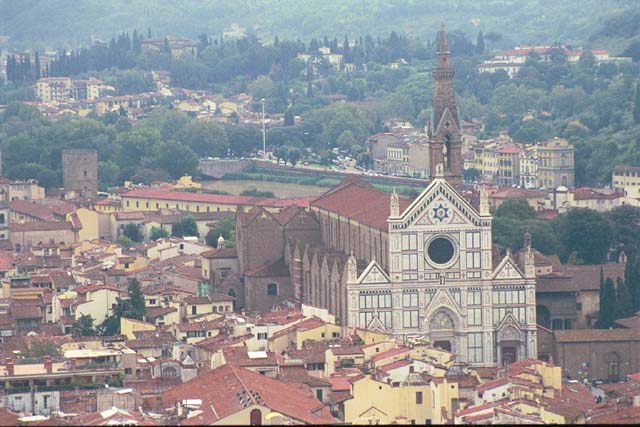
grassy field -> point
(291, 186)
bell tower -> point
(445, 145)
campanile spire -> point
(445, 146)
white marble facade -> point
(442, 286)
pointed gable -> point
(440, 204)
(373, 274)
(507, 269)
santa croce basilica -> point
(421, 269)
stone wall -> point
(218, 168)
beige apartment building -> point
(555, 164)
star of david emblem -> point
(440, 213)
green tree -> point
(41, 347)
(515, 208)
(586, 232)
(132, 307)
(136, 303)
(108, 173)
(124, 241)
(224, 227)
(132, 231)
(186, 227)
(607, 305)
(83, 326)
(244, 139)
(177, 159)
(206, 138)
(294, 155)
(480, 43)
(636, 103)
(346, 140)
(288, 117)
(158, 233)
(624, 300)
(632, 279)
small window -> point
(272, 289)
(418, 398)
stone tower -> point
(4, 208)
(445, 145)
(80, 172)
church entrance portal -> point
(442, 329)
(509, 353)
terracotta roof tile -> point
(223, 199)
(40, 226)
(354, 198)
(221, 402)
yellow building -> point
(108, 205)
(129, 326)
(294, 337)
(186, 181)
(375, 402)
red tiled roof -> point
(128, 215)
(221, 402)
(630, 322)
(305, 325)
(390, 353)
(395, 365)
(518, 193)
(199, 326)
(40, 226)
(547, 214)
(354, 198)
(222, 199)
(492, 384)
(220, 253)
(6, 261)
(346, 350)
(154, 312)
(32, 209)
(590, 194)
(592, 335)
(280, 317)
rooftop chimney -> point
(9, 366)
(48, 364)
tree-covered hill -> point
(46, 22)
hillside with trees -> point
(530, 21)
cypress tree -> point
(346, 51)
(288, 117)
(480, 44)
(607, 305)
(624, 300)
(636, 103)
(632, 279)
(37, 65)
